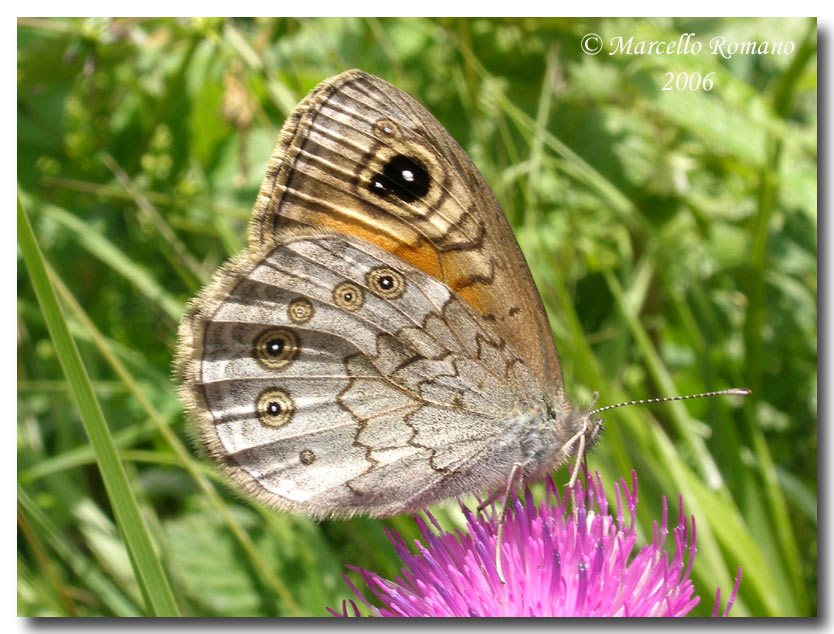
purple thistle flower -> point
(555, 562)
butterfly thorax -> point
(550, 432)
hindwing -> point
(331, 377)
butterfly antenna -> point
(735, 391)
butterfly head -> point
(584, 428)
(562, 433)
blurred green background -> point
(672, 235)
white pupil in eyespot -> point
(408, 175)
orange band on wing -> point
(419, 254)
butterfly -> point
(380, 345)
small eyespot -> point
(307, 457)
(348, 296)
(386, 129)
(274, 407)
(276, 348)
(404, 177)
(386, 282)
(300, 311)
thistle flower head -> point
(556, 562)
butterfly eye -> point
(386, 282)
(404, 177)
(274, 407)
(348, 296)
(276, 347)
(300, 311)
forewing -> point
(361, 157)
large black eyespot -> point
(386, 282)
(276, 347)
(404, 177)
(274, 407)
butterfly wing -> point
(331, 377)
(361, 157)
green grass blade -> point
(112, 256)
(147, 566)
(177, 253)
(183, 457)
(105, 590)
(707, 467)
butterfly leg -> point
(580, 454)
(495, 496)
(516, 470)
